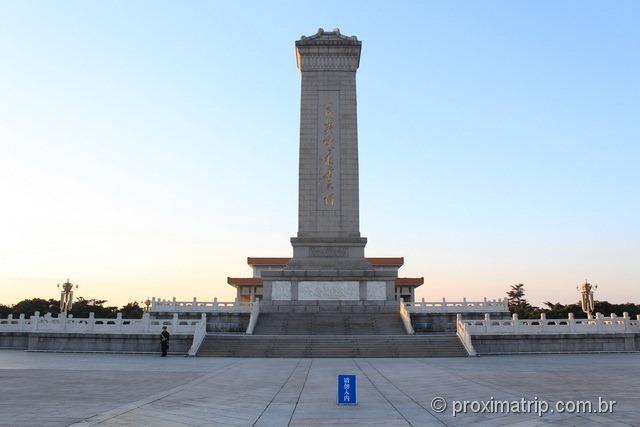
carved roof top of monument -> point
(328, 51)
(323, 37)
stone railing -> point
(195, 306)
(406, 318)
(464, 336)
(570, 325)
(253, 320)
(464, 306)
(199, 335)
(93, 325)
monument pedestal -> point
(314, 253)
(329, 285)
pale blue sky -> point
(148, 148)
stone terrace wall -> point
(14, 340)
(227, 322)
(110, 343)
(556, 343)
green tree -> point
(30, 306)
(132, 310)
(518, 303)
(5, 311)
(606, 308)
(559, 311)
(82, 307)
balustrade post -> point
(34, 321)
(195, 302)
(63, 321)
(119, 322)
(514, 322)
(173, 303)
(91, 323)
(599, 322)
(146, 322)
(626, 321)
(487, 321)
(571, 322)
(21, 323)
(464, 302)
(458, 321)
(174, 323)
(543, 322)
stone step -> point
(335, 323)
(226, 345)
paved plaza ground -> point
(49, 389)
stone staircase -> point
(227, 345)
(329, 323)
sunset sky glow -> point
(149, 148)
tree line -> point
(81, 308)
(519, 305)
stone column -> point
(328, 204)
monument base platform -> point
(329, 285)
(275, 306)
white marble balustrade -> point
(464, 306)
(91, 324)
(195, 306)
(570, 325)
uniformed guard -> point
(164, 341)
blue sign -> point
(347, 390)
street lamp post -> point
(66, 296)
(586, 298)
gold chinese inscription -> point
(327, 168)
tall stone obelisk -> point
(328, 253)
(328, 205)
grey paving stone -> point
(48, 389)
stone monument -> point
(328, 260)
